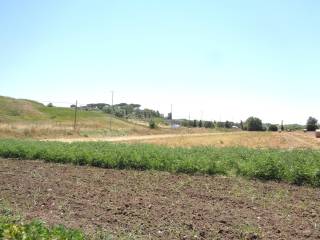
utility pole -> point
(171, 117)
(111, 110)
(202, 122)
(75, 116)
(189, 123)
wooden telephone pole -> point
(110, 123)
(75, 116)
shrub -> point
(227, 124)
(208, 124)
(13, 229)
(152, 124)
(302, 176)
(267, 169)
(220, 125)
(273, 128)
(316, 181)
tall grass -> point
(293, 166)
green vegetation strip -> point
(12, 227)
(293, 166)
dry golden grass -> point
(285, 140)
(21, 130)
(122, 131)
(183, 138)
(87, 129)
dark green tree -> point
(254, 124)
(273, 128)
(208, 124)
(282, 127)
(220, 124)
(241, 125)
(312, 124)
(227, 124)
(200, 124)
(194, 123)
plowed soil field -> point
(159, 205)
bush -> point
(152, 124)
(268, 170)
(227, 124)
(302, 176)
(273, 128)
(220, 125)
(13, 229)
(254, 124)
(208, 124)
(50, 105)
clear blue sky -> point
(226, 59)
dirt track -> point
(159, 205)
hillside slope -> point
(27, 118)
(12, 109)
(20, 114)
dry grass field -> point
(285, 140)
(92, 128)
(183, 138)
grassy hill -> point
(19, 109)
(22, 110)
(24, 118)
(19, 115)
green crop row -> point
(300, 166)
(13, 228)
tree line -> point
(251, 124)
(124, 110)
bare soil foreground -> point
(159, 205)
